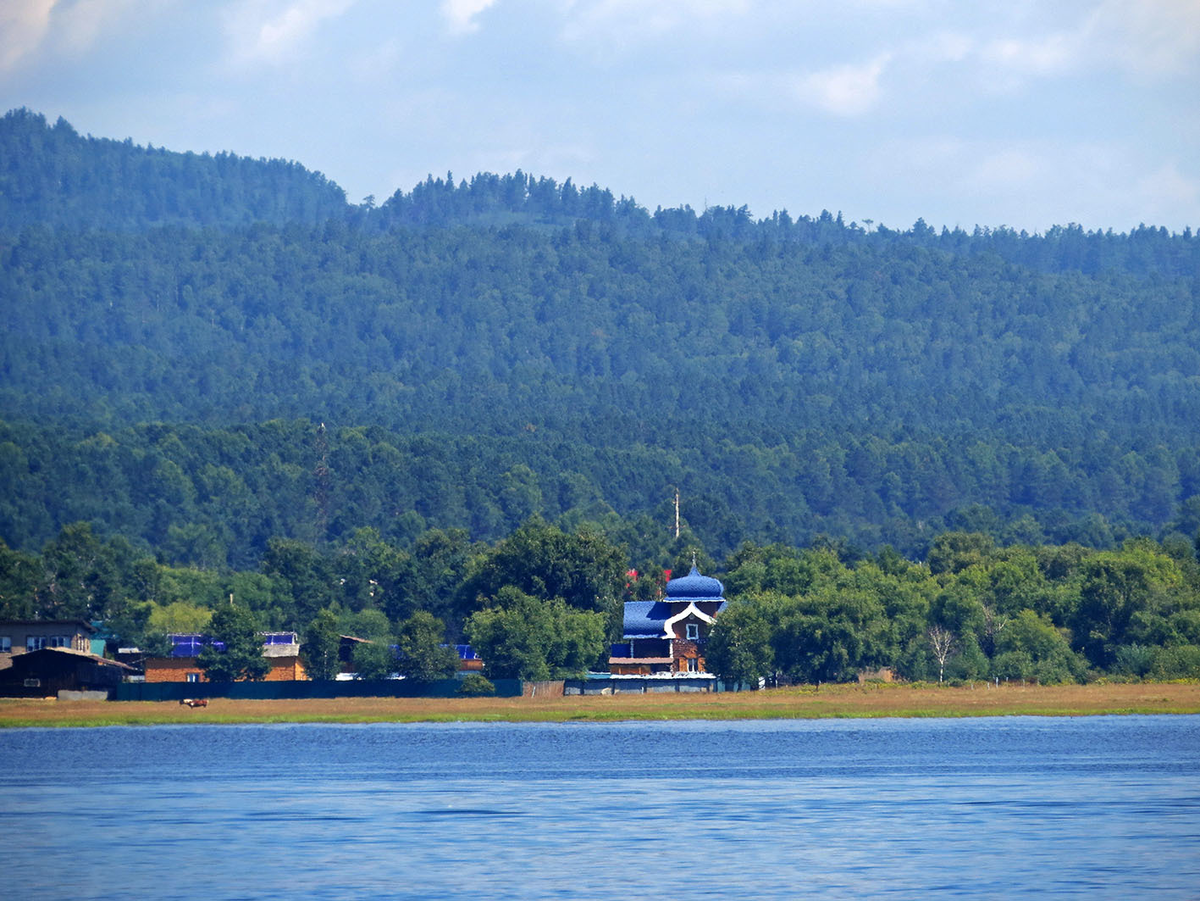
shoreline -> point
(804, 702)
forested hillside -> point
(222, 348)
(53, 176)
(960, 455)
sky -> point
(1023, 113)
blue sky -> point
(1025, 114)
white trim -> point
(669, 631)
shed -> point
(48, 671)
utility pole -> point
(676, 512)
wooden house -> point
(20, 636)
(182, 665)
(46, 672)
(668, 636)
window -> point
(193, 677)
(37, 642)
(5, 644)
(693, 631)
(692, 664)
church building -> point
(668, 636)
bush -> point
(475, 686)
(374, 660)
(1133, 660)
(1179, 662)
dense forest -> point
(206, 359)
(544, 601)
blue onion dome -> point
(695, 587)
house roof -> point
(84, 625)
(29, 656)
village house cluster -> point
(662, 647)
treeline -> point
(971, 611)
(497, 200)
(213, 498)
(203, 354)
(51, 175)
(851, 391)
(545, 601)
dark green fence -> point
(277, 691)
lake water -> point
(1094, 807)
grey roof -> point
(86, 626)
(48, 653)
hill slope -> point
(553, 350)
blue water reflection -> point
(1102, 807)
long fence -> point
(278, 691)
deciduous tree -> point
(241, 656)
(423, 654)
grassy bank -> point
(791, 703)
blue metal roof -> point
(645, 619)
(191, 644)
(695, 587)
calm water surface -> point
(1095, 807)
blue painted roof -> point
(695, 587)
(645, 619)
(191, 644)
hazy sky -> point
(1026, 113)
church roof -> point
(695, 587)
(646, 619)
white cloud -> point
(82, 22)
(1032, 184)
(1161, 193)
(23, 25)
(1147, 37)
(1008, 170)
(844, 90)
(1046, 55)
(262, 32)
(630, 21)
(27, 26)
(942, 47)
(461, 14)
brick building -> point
(281, 648)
